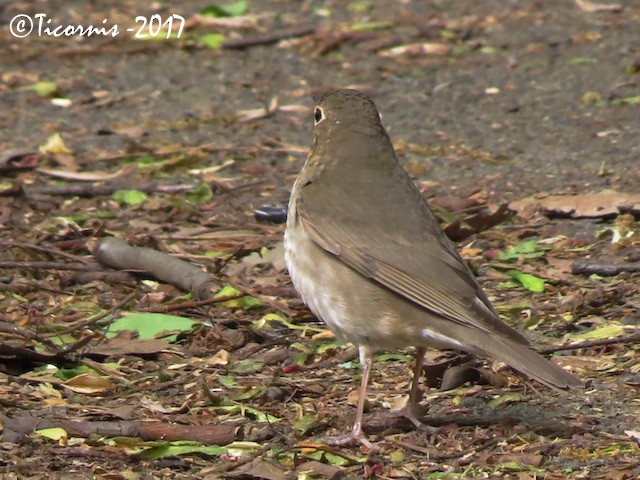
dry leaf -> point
(603, 204)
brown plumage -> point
(369, 258)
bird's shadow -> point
(546, 423)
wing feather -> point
(415, 260)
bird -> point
(369, 258)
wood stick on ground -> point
(589, 267)
(269, 38)
(117, 253)
(223, 434)
(633, 338)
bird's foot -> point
(355, 436)
(412, 413)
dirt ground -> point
(490, 103)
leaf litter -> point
(236, 379)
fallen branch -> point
(590, 267)
(17, 428)
(11, 352)
(117, 253)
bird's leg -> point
(357, 435)
(415, 393)
(411, 411)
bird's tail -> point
(529, 362)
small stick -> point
(633, 338)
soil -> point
(514, 100)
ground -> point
(173, 144)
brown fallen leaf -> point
(596, 205)
(321, 470)
(485, 218)
(124, 345)
(260, 468)
(88, 384)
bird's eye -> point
(318, 115)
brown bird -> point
(369, 258)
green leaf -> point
(513, 307)
(581, 60)
(626, 100)
(154, 450)
(591, 97)
(214, 254)
(169, 450)
(201, 194)
(54, 145)
(248, 365)
(212, 41)
(528, 281)
(305, 423)
(529, 249)
(143, 161)
(152, 325)
(601, 333)
(509, 284)
(63, 339)
(58, 434)
(332, 458)
(253, 392)
(228, 381)
(234, 9)
(324, 346)
(369, 26)
(129, 197)
(514, 466)
(393, 357)
(245, 302)
(335, 459)
(506, 399)
(68, 373)
(47, 89)
(274, 317)
(259, 415)
(360, 6)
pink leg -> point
(412, 410)
(356, 434)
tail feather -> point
(529, 362)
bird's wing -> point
(402, 247)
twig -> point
(93, 320)
(38, 248)
(196, 304)
(48, 266)
(92, 190)
(633, 338)
(270, 38)
(450, 456)
(12, 329)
